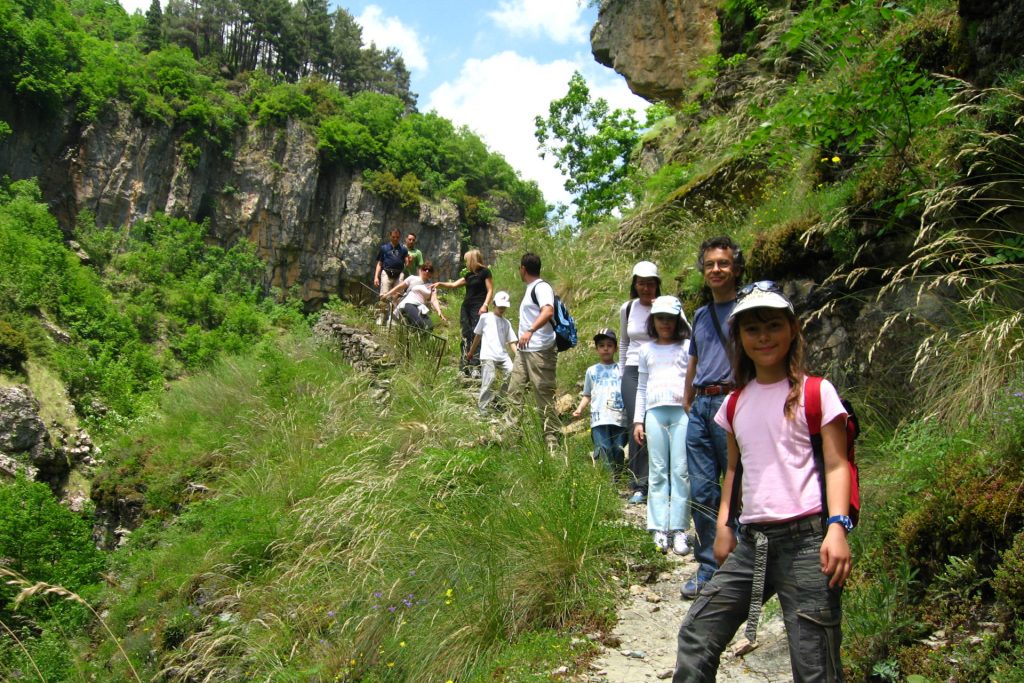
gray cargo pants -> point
(811, 610)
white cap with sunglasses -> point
(502, 300)
(762, 294)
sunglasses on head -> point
(760, 285)
(427, 270)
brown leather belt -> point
(715, 389)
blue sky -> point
(492, 65)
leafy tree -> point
(591, 145)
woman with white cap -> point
(633, 315)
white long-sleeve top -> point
(632, 332)
(662, 377)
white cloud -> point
(130, 6)
(559, 19)
(391, 32)
(500, 96)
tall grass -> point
(351, 537)
(970, 246)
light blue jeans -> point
(668, 492)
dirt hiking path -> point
(649, 620)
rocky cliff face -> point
(655, 44)
(317, 228)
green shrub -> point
(44, 541)
(13, 348)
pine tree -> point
(153, 30)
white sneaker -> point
(679, 544)
(661, 541)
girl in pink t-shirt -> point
(784, 541)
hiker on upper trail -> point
(602, 386)
(419, 292)
(708, 380)
(479, 289)
(392, 258)
(415, 259)
(537, 360)
(790, 538)
(643, 289)
(494, 337)
(660, 423)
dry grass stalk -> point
(30, 589)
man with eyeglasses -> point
(708, 381)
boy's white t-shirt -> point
(602, 384)
(780, 482)
(495, 336)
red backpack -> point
(812, 410)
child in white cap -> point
(495, 338)
(660, 422)
(789, 536)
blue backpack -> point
(561, 321)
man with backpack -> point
(537, 360)
(708, 381)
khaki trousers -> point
(537, 369)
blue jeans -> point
(810, 609)
(707, 454)
(609, 441)
(668, 493)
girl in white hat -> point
(660, 421)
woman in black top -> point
(479, 291)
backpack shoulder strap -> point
(718, 326)
(812, 404)
(735, 505)
(730, 404)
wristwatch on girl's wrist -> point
(840, 519)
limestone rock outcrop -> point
(318, 228)
(655, 44)
(24, 442)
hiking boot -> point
(679, 544)
(638, 498)
(692, 588)
(661, 541)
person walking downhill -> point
(660, 422)
(493, 333)
(392, 258)
(643, 289)
(419, 292)
(791, 532)
(537, 360)
(479, 286)
(602, 391)
(708, 380)
(415, 259)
